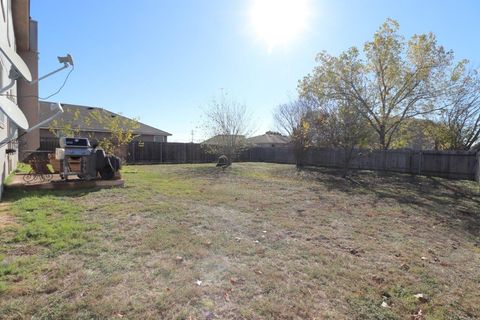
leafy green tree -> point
(302, 139)
(342, 127)
(120, 129)
(392, 81)
(62, 128)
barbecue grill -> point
(91, 162)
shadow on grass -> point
(15, 194)
(453, 201)
(209, 171)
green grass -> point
(266, 241)
(50, 221)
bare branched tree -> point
(288, 116)
(228, 123)
(461, 117)
(293, 119)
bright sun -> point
(278, 22)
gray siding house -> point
(75, 116)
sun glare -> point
(278, 22)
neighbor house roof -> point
(68, 116)
(222, 138)
(269, 138)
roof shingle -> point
(83, 111)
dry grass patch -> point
(258, 241)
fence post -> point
(134, 160)
(477, 171)
(420, 162)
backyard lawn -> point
(258, 241)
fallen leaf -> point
(404, 266)
(355, 252)
(418, 315)
(209, 315)
(421, 297)
(378, 279)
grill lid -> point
(74, 142)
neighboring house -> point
(74, 115)
(18, 33)
(269, 140)
(225, 139)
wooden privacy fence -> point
(152, 152)
(49, 144)
(167, 152)
(448, 164)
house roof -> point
(82, 111)
(222, 138)
(269, 138)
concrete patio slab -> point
(56, 183)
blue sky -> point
(162, 60)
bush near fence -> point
(448, 164)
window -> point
(158, 139)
